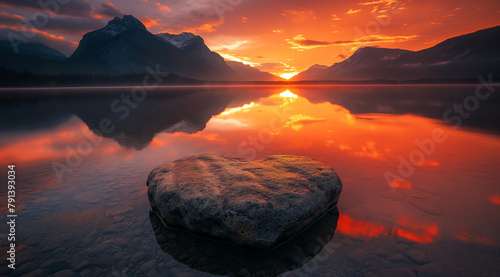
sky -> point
(282, 37)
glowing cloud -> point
(352, 11)
(234, 58)
(149, 22)
(336, 18)
(163, 7)
(299, 16)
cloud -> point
(236, 58)
(107, 10)
(72, 26)
(378, 2)
(163, 7)
(37, 36)
(278, 31)
(301, 43)
(196, 16)
(342, 56)
(298, 16)
(149, 22)
(374, 2)
(7, 19)
(79, 8)
(335, 17)
(352, 11)
(384, 39)
(228, 43)
(383, 6)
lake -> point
(419, 166)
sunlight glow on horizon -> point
(288, 76)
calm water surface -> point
(421, 195)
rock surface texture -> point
(254, 204)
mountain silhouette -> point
(125, 46)
(462, 57)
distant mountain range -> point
(466, 56)
(125, 46)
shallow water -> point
(421, 194)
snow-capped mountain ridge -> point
(182, 40)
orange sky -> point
(275, 36)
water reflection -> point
(224, 258)
(133, 124)
(444, 209)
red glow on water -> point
(429, 163)
(414, 231)
(464, 236)
(404, 227)
(495, 199)
(143, 191)
(360, 228)
(401, 184)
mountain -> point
(195, 46)
(32, 49)
(248, 73)
(126, 46)
(466, 56)
(312, 73)
(32, 57)
(363, 64)
(360, 66)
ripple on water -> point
(427, 206)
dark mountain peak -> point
(114, 28)
(196, 47)
(124, 23)
(378, 53)
(369, 56)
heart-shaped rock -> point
(251, 203)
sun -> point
(288, 75)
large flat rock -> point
(251, 203)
